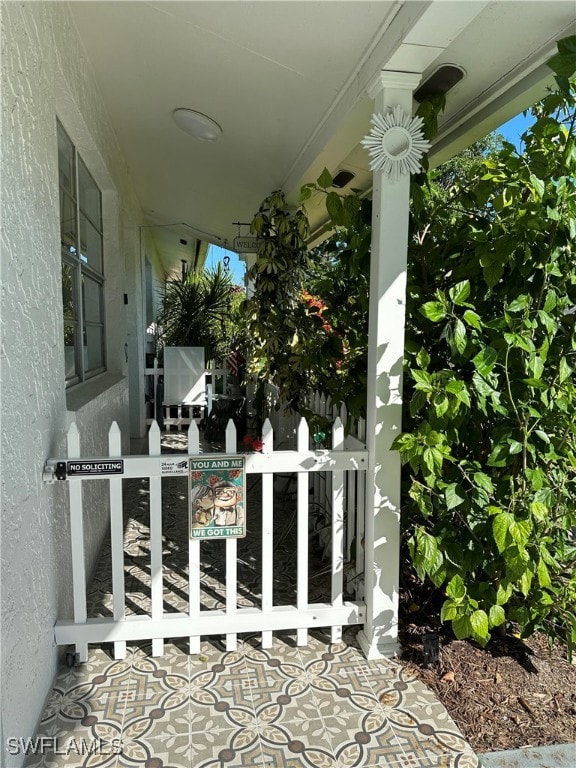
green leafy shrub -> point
(489, 438)
(489, 441)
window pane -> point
(93, 347)
(65, 160)
(70, 349)
(90, 244)
(68, 291)
(91, 300)
(89, 195)
(68, 234)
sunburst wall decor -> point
(395, 143)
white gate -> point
(340, 462)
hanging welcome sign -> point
(217, 494)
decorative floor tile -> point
(353, 694)
(237, 748)
(283, 709)
(292, 742)
(421, 738)
(169, 751)
(363, 739)
(75, 754)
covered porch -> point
(290, 88)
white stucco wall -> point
(45, 75)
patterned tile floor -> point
(319, 706)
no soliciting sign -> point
(111, 467)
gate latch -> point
(53, 472)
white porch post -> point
(390, 201)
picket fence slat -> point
(337, 530)
(77, 540)
(231, 557)
(267, 532)
(117, 538)
(302, 535)
(154, 448)
(193, 553)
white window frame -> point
(82, 271)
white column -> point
(390, 202)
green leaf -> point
(485, 360)
(539, 510)
(456, 588)
(542, 435)
(519, 341)
(460, 292)
(500, 525)
(526, 582)
(520, 303)
(564, 371)
(492, 273)
(454, 496)
(325, 179)
(479, 624)
(433, 310)
(537, 366)
(548, 322)
(335, 208)
(448, 611)
(484, 482)
(562, 65)
(515, 447)
(543, 574)
(441, 404)
(423, 358)
(459, 390)
(472, 319)
(462, 627)
(520, 531)
(503, 593)
(423, 380)
(496, 616)
(426, 549)
(538, 186)
(460, 336)
(498, 456)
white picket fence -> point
(285, 427)
(340, 463)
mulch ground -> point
(513, 693)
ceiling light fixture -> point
(196, 124)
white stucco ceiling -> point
(286, 81)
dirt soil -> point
(513, 693)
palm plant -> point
(196, 311)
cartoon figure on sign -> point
(202, 506)
(225, 504)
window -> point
(82, 265)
